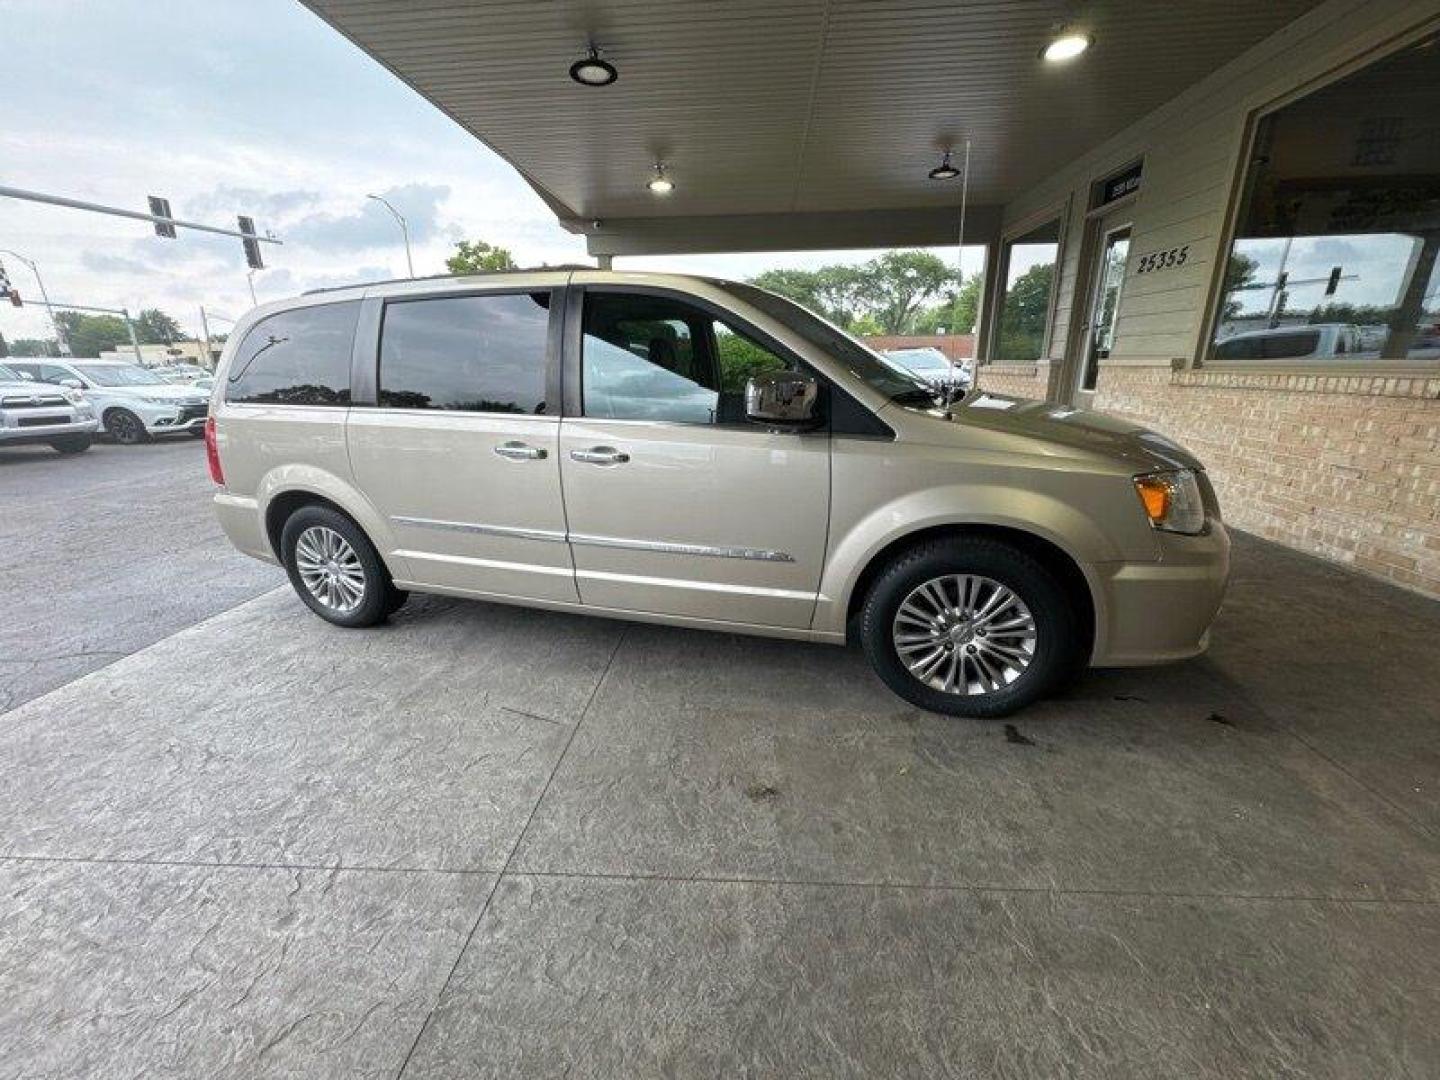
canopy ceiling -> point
(793, 123)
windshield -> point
(118, 375)
(920, 359)
(890, 379)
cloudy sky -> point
(252, 107)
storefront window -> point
(1334, 258)
(1029, 268)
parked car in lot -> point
(935, 367)
(1320, 341)
(689, 451)
(188, 374)
(31, 412)
(132, 403)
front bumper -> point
(1153, 612)
(22, 426)
(167, 419)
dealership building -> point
(1239, 203)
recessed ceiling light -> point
(660, 184)
(944, 171)
(592, 71)
(1066, 46)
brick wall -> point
(1347, 468)
(1020, 380)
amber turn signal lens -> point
(1155, 494)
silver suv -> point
(32, 412)
(696, 452)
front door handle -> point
(600, 455)
(518, 451)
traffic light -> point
(252, 247)
(8, 290)
(161, 208)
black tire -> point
(398, 597)
(1060, 640)
(71, 444)
(125, 427)
(379, 593)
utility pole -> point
(250, 280)
(205, 334)
(45, 298)
(134, 341)
(404, 229)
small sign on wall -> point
(1125, 182)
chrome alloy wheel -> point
(330, 568)
(964, 634)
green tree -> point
(956, 313)
(1239, 272)
(893, 286)
(476, 257)
(89, 335)
(1024, 314)
(830, 292)
(154, 327)
(33, 347)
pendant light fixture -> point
(660, 183)
(1066, 45)
(590, 70)
(944, 171)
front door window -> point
(1109, 276)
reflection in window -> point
(1335, 251)
(298, 357)
(482, 353)
(1029, 267)
(654, 358)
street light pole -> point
(63, 345)
(404, 229)
(250, 280)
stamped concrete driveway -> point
(492, 842)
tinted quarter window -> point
(299, 357)
(470, 353)
(656, 358)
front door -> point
(1108, 276)
(460, 453)
(676, 504)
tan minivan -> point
(703, 453)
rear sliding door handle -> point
(600, 455)
(518, 451)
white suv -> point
(133, 404)
(689, 451)
(57, 416)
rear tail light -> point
(212, 452)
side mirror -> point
(781, 398)
(73, 384)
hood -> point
(166, 391)
(1078, 429)
(28, 388)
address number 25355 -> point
(1162, 260)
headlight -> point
(1172, 501)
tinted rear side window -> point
(469, 353)
(299, 357)
(1282, 346)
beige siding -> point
(1192, 148)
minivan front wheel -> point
(335, 569)
(970, 626)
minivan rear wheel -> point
(970, 626)
(335, 569)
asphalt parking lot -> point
(235, 840)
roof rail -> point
(561, 268)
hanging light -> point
(660, 184)
(592, 71)
(944, 171)
(1066, 45)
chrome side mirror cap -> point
(781, 398)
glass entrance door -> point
(1109, 277)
